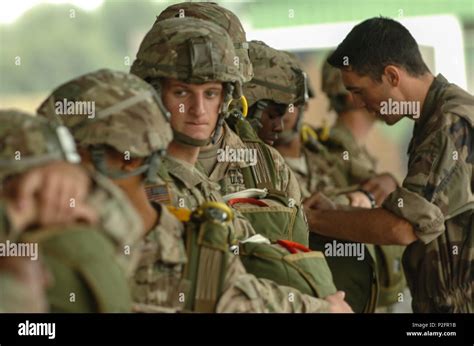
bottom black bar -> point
(290, 329)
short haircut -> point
(376, 43)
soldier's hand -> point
(319, 200)
(33, 277)
(380, 186)
(338, 304)
(359, 199)
(60, 188)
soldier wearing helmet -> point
(91, 280)
(129, 121)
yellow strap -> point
(307, 132)
(325, 131)
(245, 105)
(182, 214)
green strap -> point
(266, 167)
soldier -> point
(279, 83)
(86, 275)
(350, 131)
(170, 277)
(347, 136)
(432, 211)
(259, 166)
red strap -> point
(247, 200)
(293, 246)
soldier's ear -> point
(392, 74)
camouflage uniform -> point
(149, 66)
(341, 142)
(184, 186)
(436, 198)
(318, 170)
(160, 276)
(81, 259)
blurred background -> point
(45, 43)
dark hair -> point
(376, 43)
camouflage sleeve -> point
(359, 173)
(286, 178)
(244, 292)
(118, 219)
(437, 185)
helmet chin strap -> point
(255, 118)
(286, 136)
(187, 140)
(223, 112)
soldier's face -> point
(369, 93)
(272, 123)
(290, 118)
(194, 108)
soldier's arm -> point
(376, 226)
(244, 292)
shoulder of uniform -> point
(459, 103)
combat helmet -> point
(221, 16)
(276, 79)
(112, 109)
(27, 141)
(193, 51)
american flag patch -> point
(159, 193)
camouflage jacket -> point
(230, 177)
(183, 186)
(159, 285)
(317, 170)
(436, 198)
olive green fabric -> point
(355, 277)
(208, 241)
(278, 220)
(282, 218)
(306, 271)
(86, 275)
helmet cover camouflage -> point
(190, 50)
(275, 78)
(224, 18)
(27, 141)
(122, 111)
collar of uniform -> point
(184, 171)
(429, 107)
(231, 140)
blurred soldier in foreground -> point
(81, 271)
